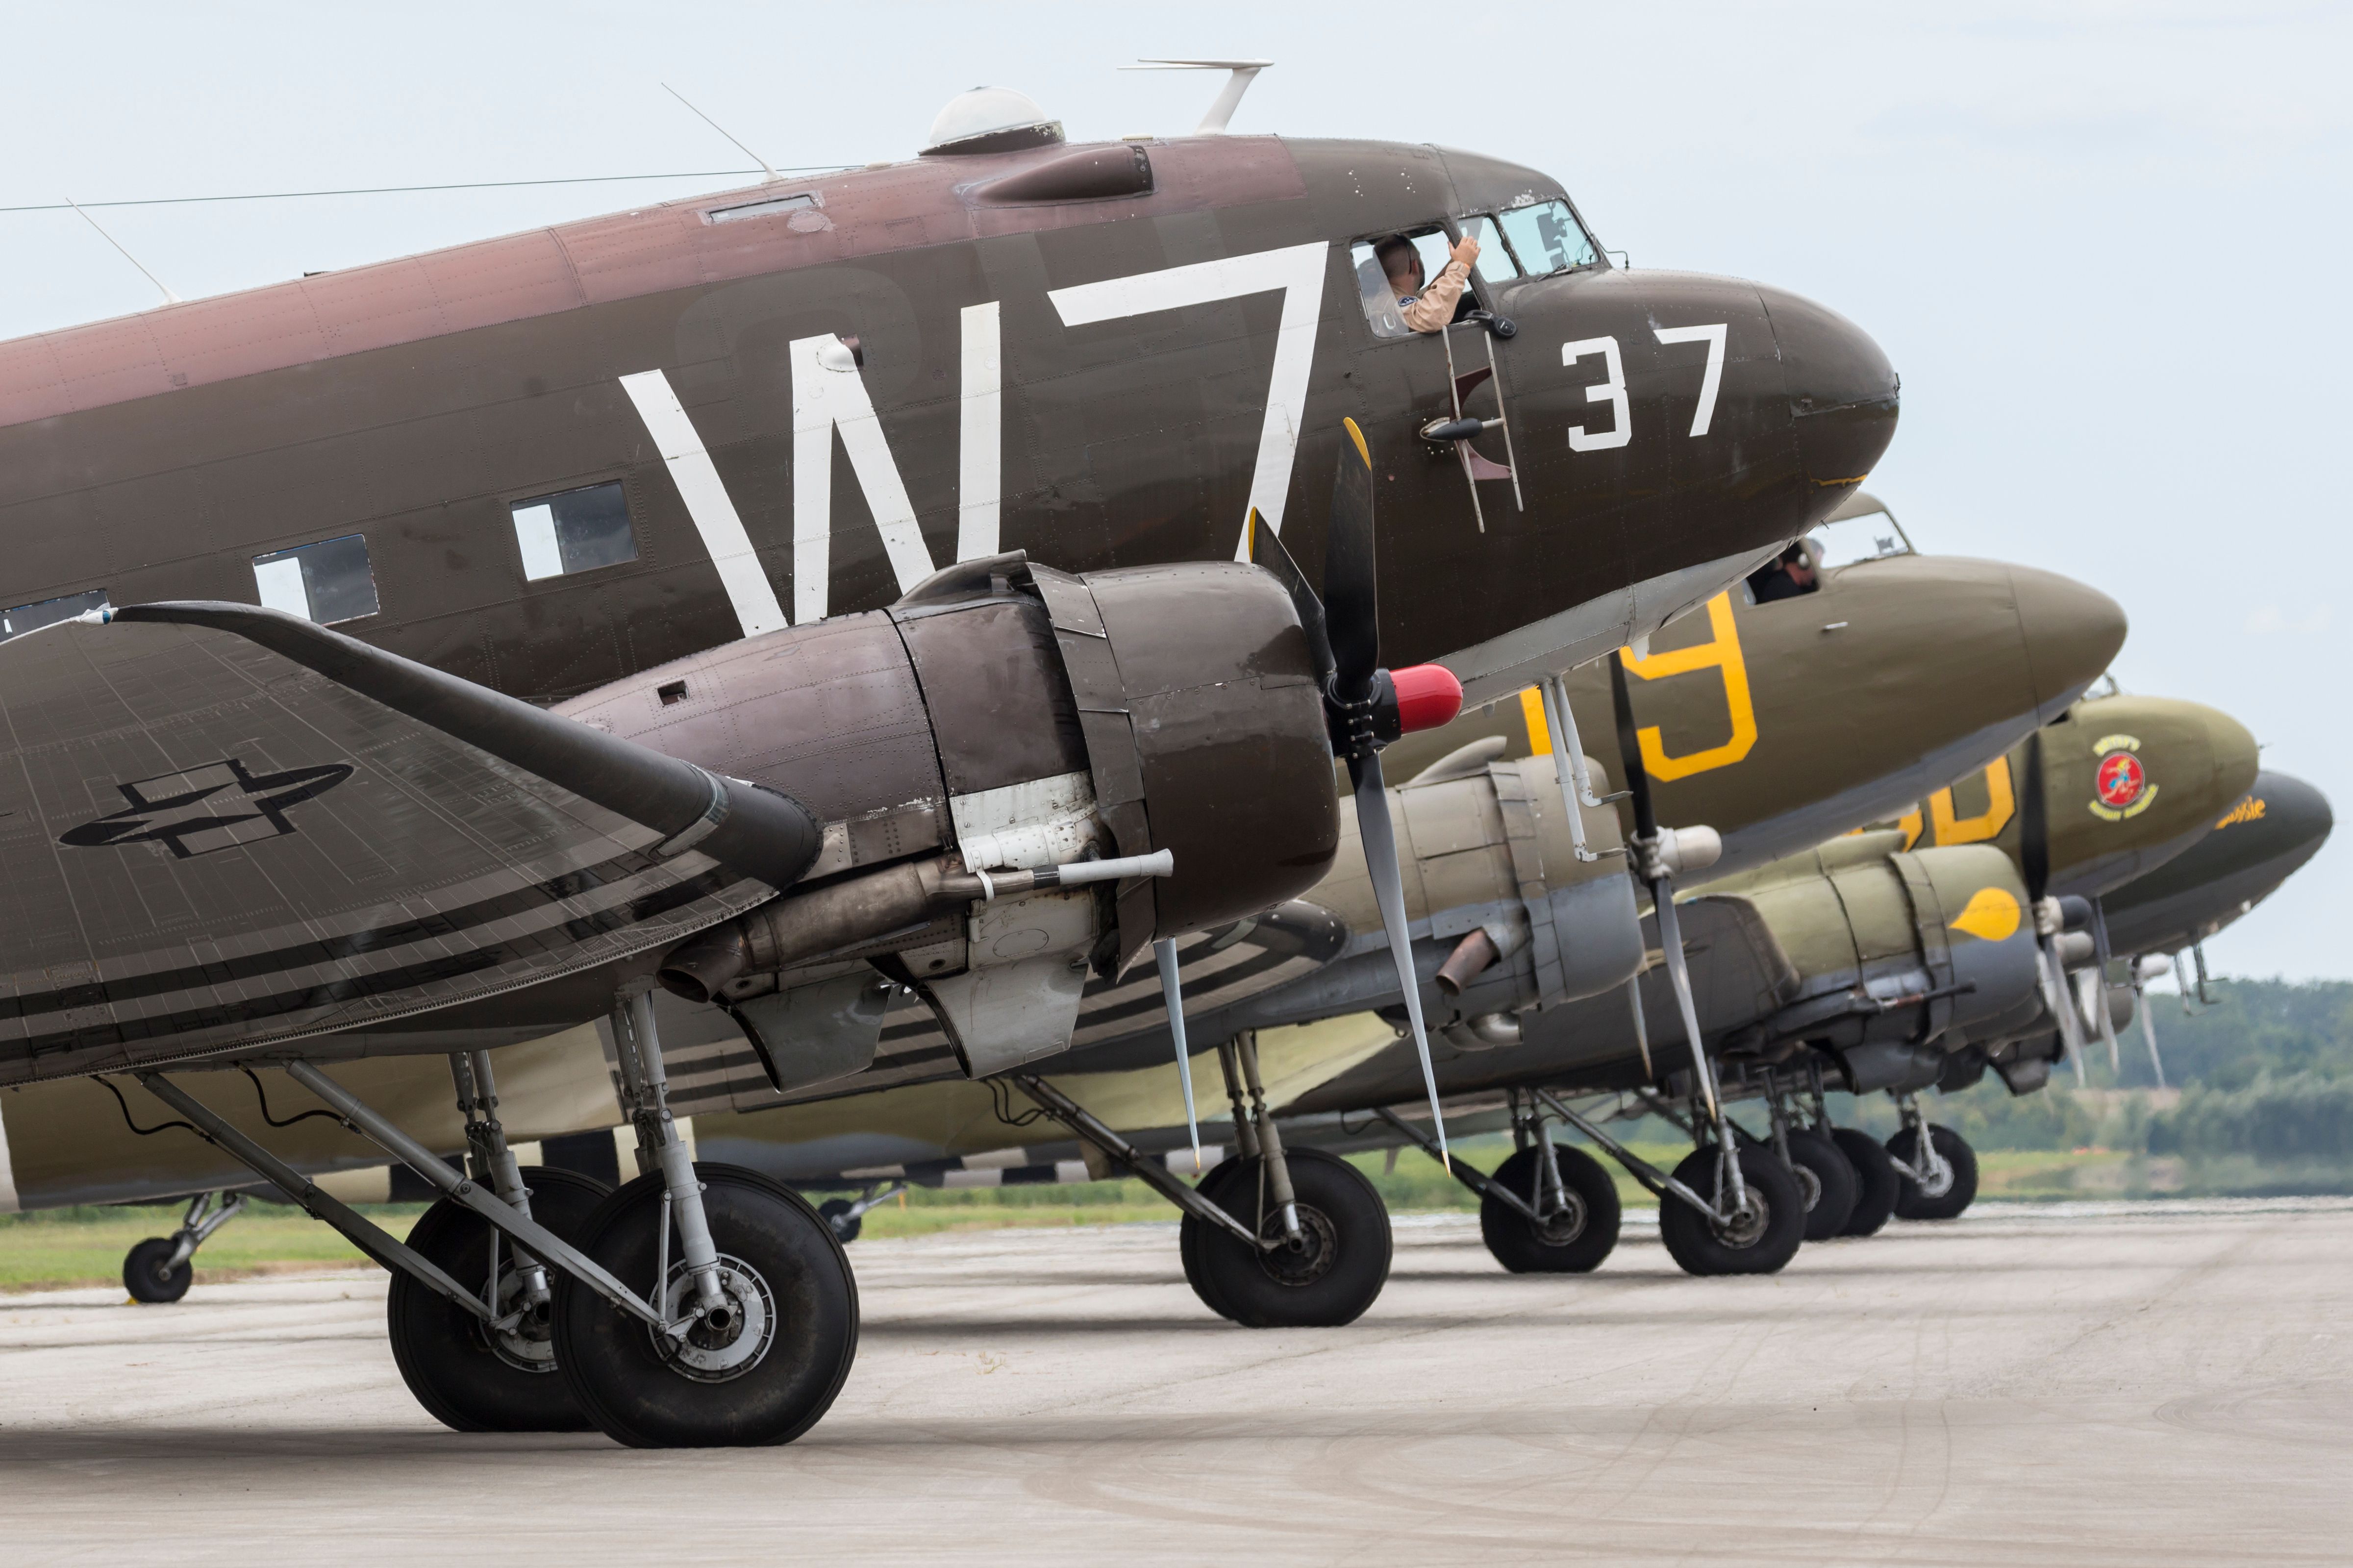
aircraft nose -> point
(2233, 746)
(1843, 391)
(2071, 633)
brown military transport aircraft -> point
(887, 539)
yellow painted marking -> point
(1721, 652)
(1249, 535)
(2248, 810)
(1991, 914)
(1910, 823)
(2001, 803)
(1358, 438)
(2107, 743)
(1539, 732)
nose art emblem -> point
(2120, 784)
(215, 806)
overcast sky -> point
(2104, 244)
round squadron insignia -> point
(2120, 782)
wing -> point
(208, 843)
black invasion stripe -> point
(1120, 1011)
(448, 922)
(360, 986)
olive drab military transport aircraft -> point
(1966, 656)
(976, 550)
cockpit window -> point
(1866, 536)
(1380, 297)
(1546, 237)
(1495, 263)
(1788, 576)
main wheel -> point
(1328, 1278)
(148, 1275)
(469, 1376)
(1214, 1185)
(1573, 1241)
(1877, 1185)
(1759, 1239)
(1830, 1174)
(761, 1372)
(1945, 1198)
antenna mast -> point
(1221, 112)
(169, 298)
(768, 175)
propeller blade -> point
(2101, 955)
(1351, 596)
(1172, 992)
(2033, 825)
(1266, 550)
(1380, 840)
(1635, 779)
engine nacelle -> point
(1002, 718)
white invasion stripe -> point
(979, 483)
(1298, 271)
(691, 469)
(829, 395)
(8, 1204)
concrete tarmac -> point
(2075, 1383)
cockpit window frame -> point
(1600, 262)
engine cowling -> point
(1002, 718)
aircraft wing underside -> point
(204, 844)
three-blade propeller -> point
(1366, 706)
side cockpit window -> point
(1391, 270)
(1546, 237)
(1793, 573)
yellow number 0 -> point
(1722, 651)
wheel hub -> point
(1564, 1222)
(529, 1343)
(1746, 1224)
(1809, 1186)
(1305, 1262)
(728, 1340)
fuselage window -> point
(1546, 237)
(577, 531)
(1866, 536)
(327, 582)
(1382, 293)
(32, 617)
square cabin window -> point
(1546, 237)
(575, 530)
(327, 582)
(22, 618)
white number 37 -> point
(1613, 390)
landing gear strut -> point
(745, 1321)
(1273, 1238)
(1716, 1216)
(1548, 1209)
(161, 1268)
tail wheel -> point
(1760, 1238)
(1877, 1185)
(469, 1376)
(1327, 1277)
(1826, 1169)
(148, 1276)
(1958, 1186)
(1573, 1240)
(763, 1375)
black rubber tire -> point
(845, 1230)
(637, 1392)
(1837, 1185)
(1523, 1248)
(444, 1354)
(1190, 1231)
(1877, 1186)
(1339, 1273)
(1911, 1202)
(1692, 1240)
(145, 1276)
